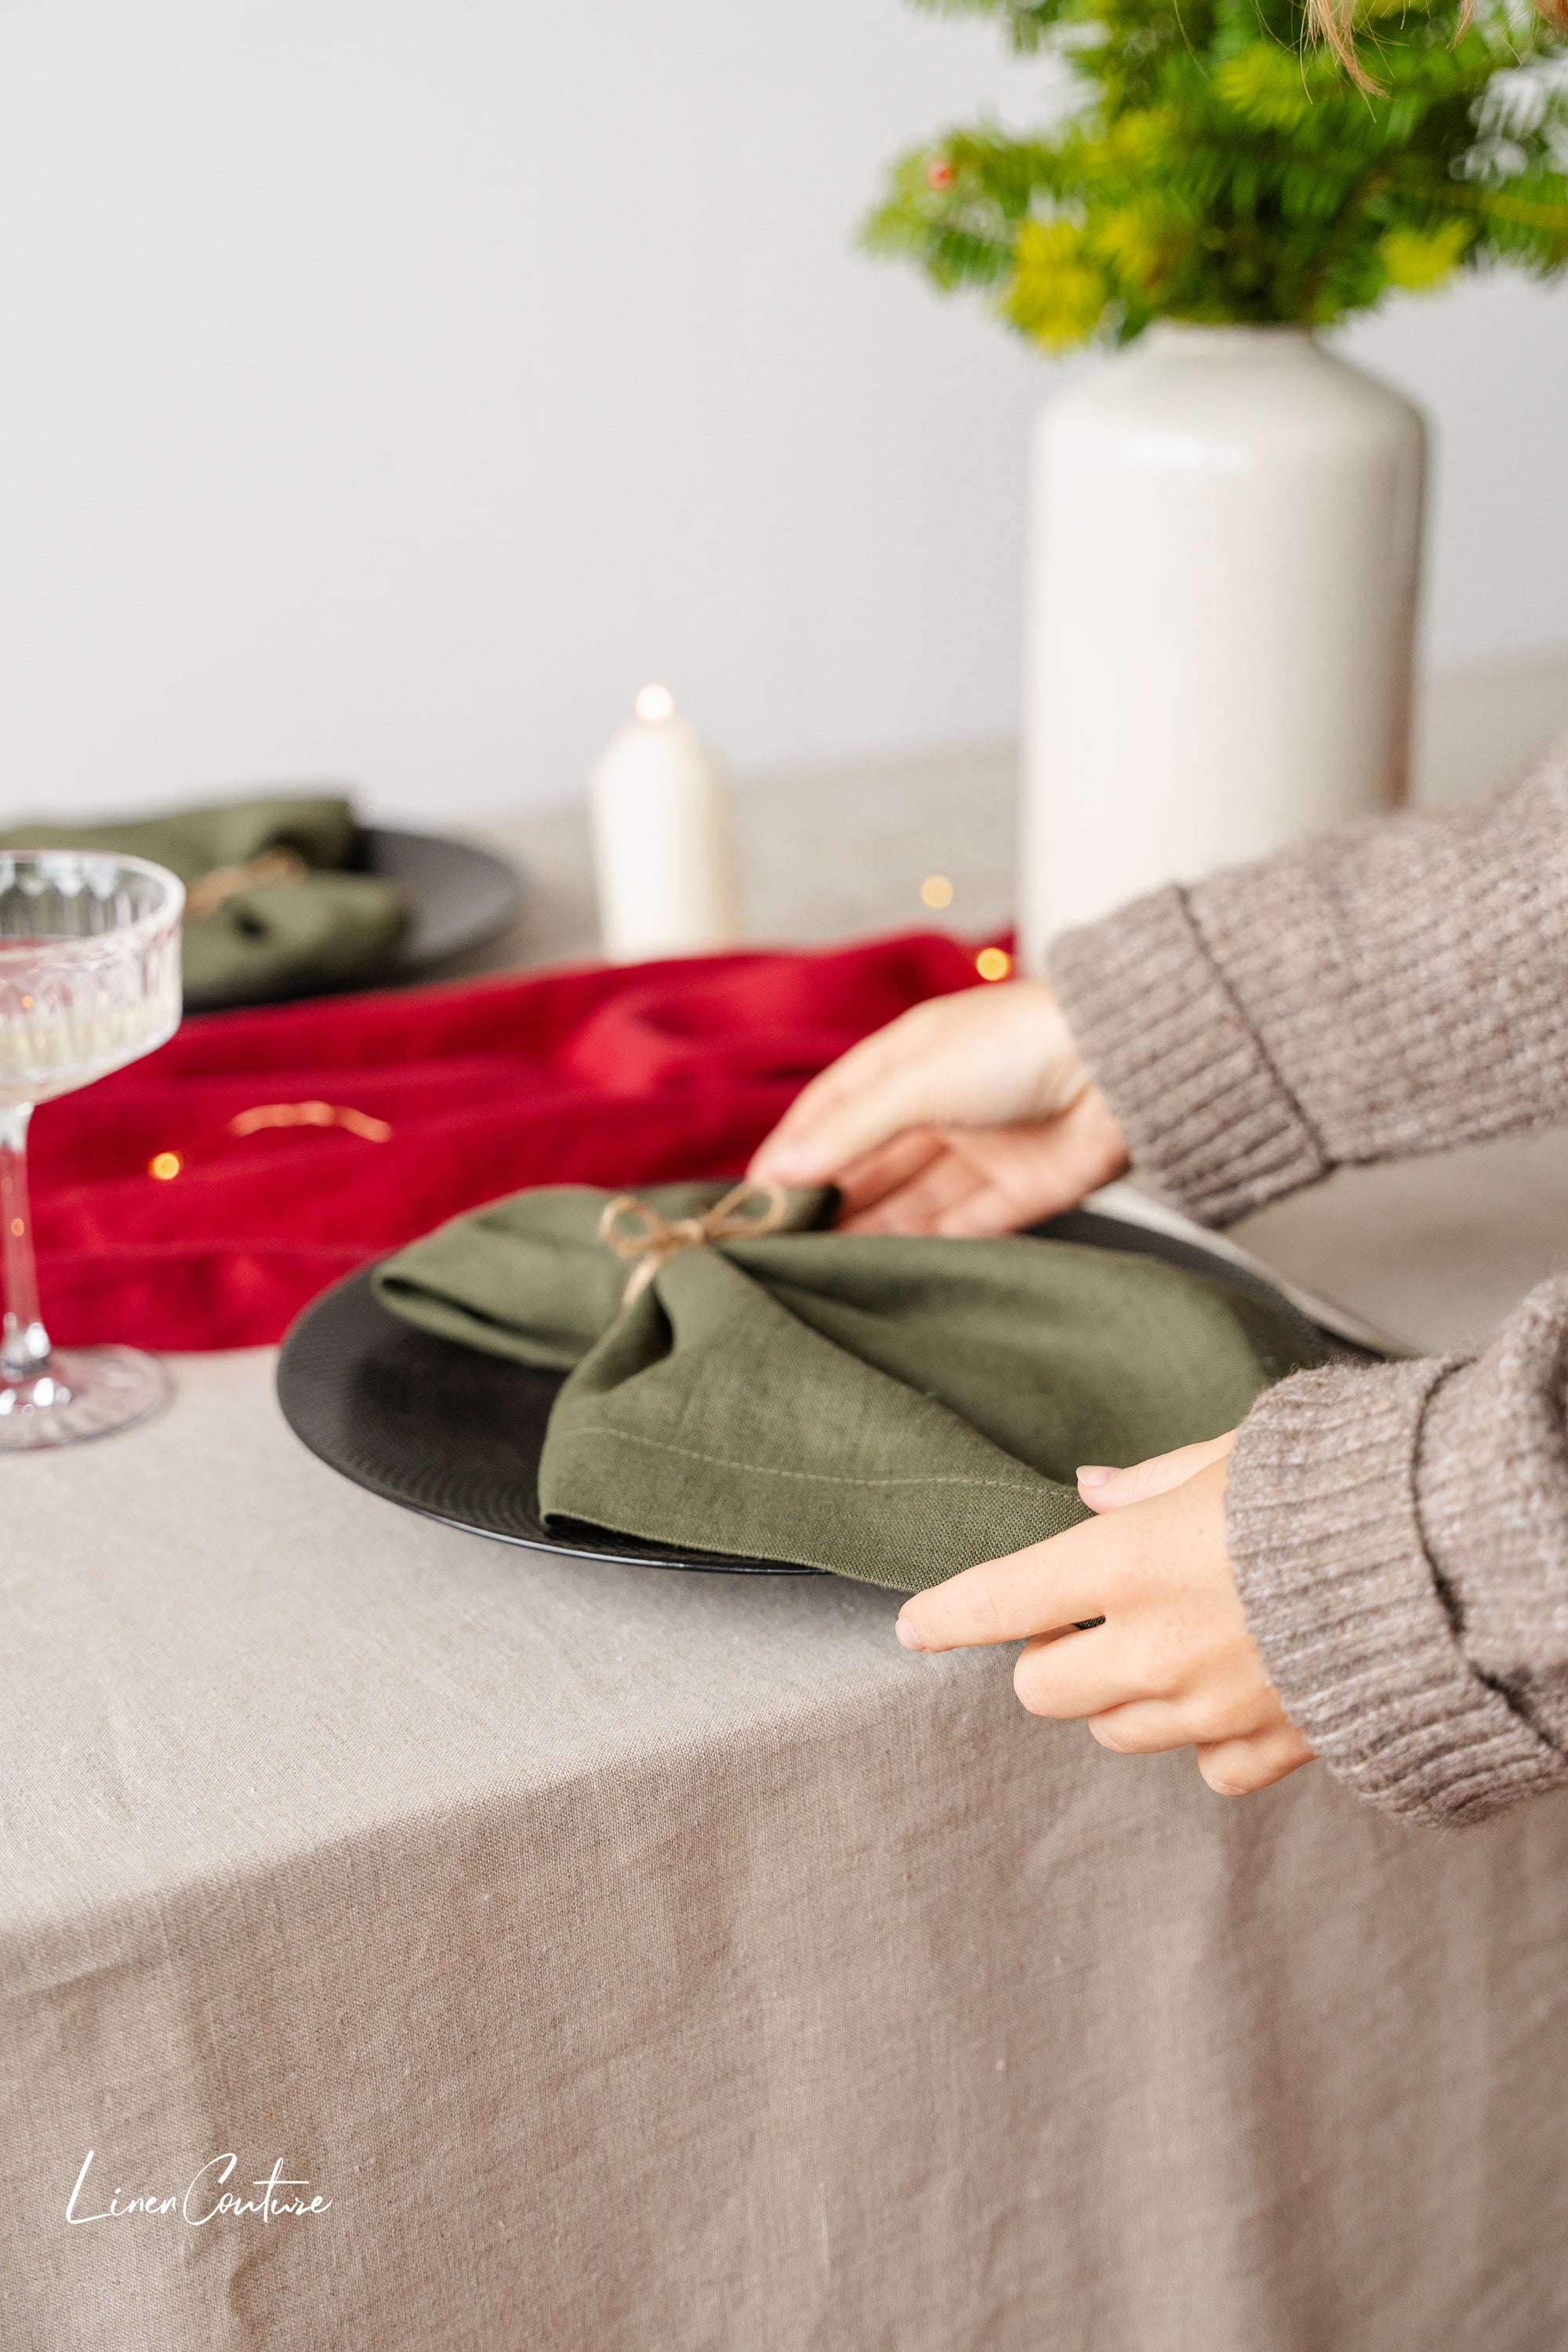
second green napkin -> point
(319, 929)
(891, 1410)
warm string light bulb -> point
(994, 964)
(654, 703)
(936, 891)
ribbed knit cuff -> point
(1202, 1108)
(1343, 1602)
(1491, 1481)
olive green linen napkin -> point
(319, 929)
(889, 1409)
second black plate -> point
(459, 894)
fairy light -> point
(936, 891)
(654, 703)
(311, 1114)
(993, 963)
(164, 1164)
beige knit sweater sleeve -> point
(1399, 1534)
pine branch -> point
(1215, 168)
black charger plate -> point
(457, 1436)
(459, 896)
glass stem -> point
(24, 1343)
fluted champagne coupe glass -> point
(89, 978)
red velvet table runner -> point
(200, 1198)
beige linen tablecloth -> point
(670, 1962)
(647, 1959)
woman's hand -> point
(1172, 1665)
(970, 1114)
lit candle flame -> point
(655, 702)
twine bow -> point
(635, 1230)
(216, 888)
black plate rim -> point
(1078, 1224)
(357, 1286)
(561, 1549)
(511, 889)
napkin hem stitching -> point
(816, 1478)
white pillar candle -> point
(663, 853)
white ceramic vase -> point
(1226, 541)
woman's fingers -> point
(967, 1183)
(934, 1181)
(1133, 1688)
(987, 1209)
(1034, 1172)
(1065, 1676)
(918, 1201)
(1170, 1663)
(979, 1057)
(1038, 1590)
(885, 1083)
(1107, 1490)
(1143, 1726)
(1239, 1768)
(870, 1178)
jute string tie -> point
(634, 1229)
(214, 890)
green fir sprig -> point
(1215, 163)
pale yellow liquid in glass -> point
(48, 1055)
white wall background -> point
(394, 385)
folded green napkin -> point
(315, 931)
(892, 1410)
